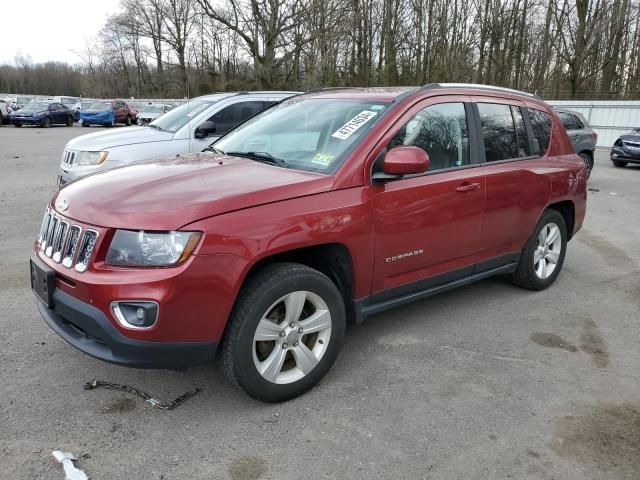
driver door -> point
(428, 226)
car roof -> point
(221, 95)
(393, 93)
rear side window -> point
(504, 132)
(233, 115)
(541, 126)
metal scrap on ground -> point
(147, 398)
(70, 470)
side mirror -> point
(205, 129)
(403, 161)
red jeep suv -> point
(328, 207)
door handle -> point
(467, 187)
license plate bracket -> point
(43, 281)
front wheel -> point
(69, 121)
(542, 257)
(46, 122)
(285, 332)
(128, 121)
(619, 163)
(17, 125)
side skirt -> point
(364, 307)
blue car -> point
(43, 114)
(106, 113)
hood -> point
(168, 194)
(116, 138)
(22, 113)
(631, 136)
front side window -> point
(233, 115)
(310, 134)
(441, 131)
(541, 126)
(500, 133)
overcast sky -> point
(50, 29)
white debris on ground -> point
(70, 470)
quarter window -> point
(441, 131)
(541, 126)
(577, 122)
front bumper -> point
(623, 155)
(90, 331)
(26, 121)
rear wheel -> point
(619, 163)
(543, 255)
(285, 332)
(46, 122)
(587, 158)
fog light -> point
(132, 314)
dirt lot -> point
(486, 382)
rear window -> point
(541, 126)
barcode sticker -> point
(354, 124)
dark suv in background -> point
(626, 149)
(582, 136)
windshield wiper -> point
(213, 149)
(155, 127)
(264, 157)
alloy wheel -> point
(547, 253)
(292, 337)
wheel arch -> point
(567, 209)
(332, 259)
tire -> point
(46, 122)
(587, 158)
(538, 275)
(128, 121)
(69, 121)
(85, 124)
(619, 163)
(17, 125)
(264, 295)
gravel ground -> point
(488, 381)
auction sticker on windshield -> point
(354, 124)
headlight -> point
(151, 249)
(90, 158)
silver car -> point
(191, 127)
(582, 136)
(148, 113)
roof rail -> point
(479, 87)
(327, 89)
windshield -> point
(177, 118)
(100, 106)
(152, 109)
(35, 107)
(311, 135)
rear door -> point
(516, 189)
(427, 227)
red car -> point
(328, 207)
